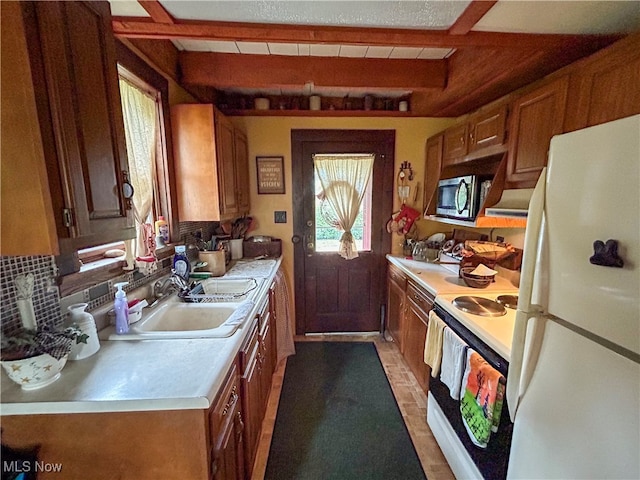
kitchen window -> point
(141, 113)
(136, 74)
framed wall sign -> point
(270, 174)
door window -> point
(350, 181)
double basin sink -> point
(216, 312)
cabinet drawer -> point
(249, 346)
(420, 297)
(225, 403)
(396, 276)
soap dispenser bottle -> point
(121, 308)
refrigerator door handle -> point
(515, 390)
(535, 217)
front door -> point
(334, 294)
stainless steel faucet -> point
(172, 284)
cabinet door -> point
(88, 167)
(226, 430)
(455, 144)
(605, 87)
(537, 116)
(433, 165)
(417, 307)
(241, 152)
(487, 129)
(251, 407)
(266, 354)
(396, 283)
(226, 166)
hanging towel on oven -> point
(433, 343)
(452, 365)
(482, 395)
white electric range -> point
(495, 331)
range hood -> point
(512, 204)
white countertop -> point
(175, 374)
(438, 279)
(442, 282)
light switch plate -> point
(280, 216)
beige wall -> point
(271, 136)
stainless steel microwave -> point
(459, 197)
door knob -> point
(296, 239)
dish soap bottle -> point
(121, 308)
(162, 232)
(181, 263)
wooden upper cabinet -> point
(606, 86)
(207, 169)
(75, 86)
(433, 165)
(536, 117)
(487, 128)
(25, 184)
(241, 155)
(455, 144)
(226, 166)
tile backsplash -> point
(46, 299)
(50, 308)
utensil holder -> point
(215, 262)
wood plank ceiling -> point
(483, 66)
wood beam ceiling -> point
(225, 70)
(156, 11)
(471, 15)
(133, 27)
(485, 66)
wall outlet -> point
(280, 216)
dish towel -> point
(452, 366)
(433, 343)
(284, 319)
(482, 398)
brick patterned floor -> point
(411, 400)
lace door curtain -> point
(344, 179)
(140, 115)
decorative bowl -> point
(475, 281)
(34, 372)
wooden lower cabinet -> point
(227, 432)
(408, 306)
(396, 285)
(218, 443)
(416, 320)
(257, 360)
(144, 445)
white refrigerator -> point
(573, 387)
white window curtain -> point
(344, 179)
(140, 116)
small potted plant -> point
(34, 358)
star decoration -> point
(26, 380)
(47, 368)
(16, 368)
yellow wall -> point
(271, 136)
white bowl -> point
(34, 372)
